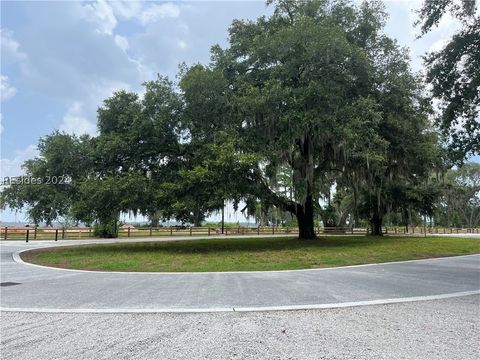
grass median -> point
(250, 254)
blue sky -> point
(60, 59)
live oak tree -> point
(292, 75)
(293, 81)
(138, 143)
(202, 189)
(389, 141)
(43, 202)
(153, 142)
(102, 200)
(312, 96)
(51, 179)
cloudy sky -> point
(60, 59)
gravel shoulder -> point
(439, 329)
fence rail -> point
(50, 233)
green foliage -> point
(329, 216)
(106, 230)
(313, 98)
(460, 201)
(297, 82)
(453, 74)
(52, 178)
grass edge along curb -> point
(248, 254)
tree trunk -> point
(197, 217)
(342, 221)
(304, 213)
(154, 218)
(376, 225)
(405, 219)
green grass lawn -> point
(250, 254)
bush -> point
(329, 216)
(106, 230)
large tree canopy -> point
(299, 85)
(311, 98)
(52, 179)
(453, 72)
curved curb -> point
(244, 309)
(17, 258)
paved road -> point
(45, 289)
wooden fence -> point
(49, 233)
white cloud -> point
(127, 9)
(6, 90)
(157, 12)
(122, 42)
(74, 121)
(101, 13)
(145, 13)
(10, 48)
(438, 45)
(69, 58)
(13, 167)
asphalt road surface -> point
(57, 290)
(63, 314)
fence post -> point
(35, 233)
(56, 234)
(258, 230)
(5, 234)
(63, 233)
(190, 231)
(209, 231)
(28, 232)
(150, 231)
(89, 231)
(273, 229)
(171, 231)
(128, 231)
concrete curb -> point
(244, 309)
(17, 258)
